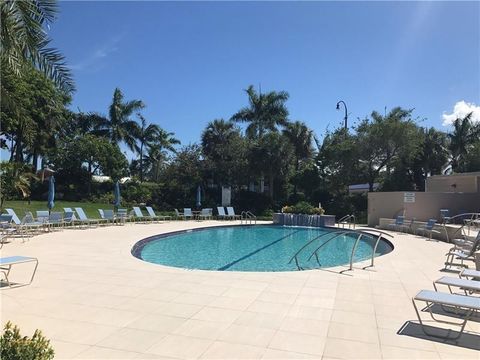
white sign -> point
(409, 197)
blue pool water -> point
(254, 248)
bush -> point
(303, 208)
(15, 347)
(257, 203)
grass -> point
(20, 206)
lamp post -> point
(346, 114)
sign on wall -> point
(409, 197)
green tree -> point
(264, 113)
(24, 40)
(147, 135)
(383, 140)
(15, 181)
(158, 152)
(463, 138)
(224, 149)
(119, 127)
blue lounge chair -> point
(83, 219)
(154, 216)
(428, 228)
(138, 215)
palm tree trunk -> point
(141, 161)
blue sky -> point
(189, 62)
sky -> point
(191, 61)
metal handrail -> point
(347, 220)
(339, 233)
(247, 215)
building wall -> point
(427, 205)
(467, 183)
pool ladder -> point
(347, 220)
(376, 233)
(248, 216)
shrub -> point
(16, 347)
(303, 207)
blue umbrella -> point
(51, 193)
(116, 193)
(199, 196)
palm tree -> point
(146, 136)
(24, 40)
(264, 113)
(119, 126)
(301, 137)
(157, 151)
(217, 132)
(464, 136)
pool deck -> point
(94, 300)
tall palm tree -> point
(301, 137)
(264, 113)
(146, 137)
(217, 132)
(119, 127)
(24, 40)
(465, 134)
(157, 152)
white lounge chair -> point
(221, 213)
(466, 252)
(206, 213)
(470, 274)
(468, 286)
(179, 215)
(68, 210)
(464, 306)
(187, 213)
(84, 220)
(138, 215)
(6, 264)
(231, 213)
(154, 216)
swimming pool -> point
(255, 248)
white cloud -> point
(460, 110)
(95, 58)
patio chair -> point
(445, 215)
(6, 264)
(399, 223)
(221, 213)
(84, 220)
(179, 215)
(154, 216)
(206, 213)
(138, 215)
(122, 215)
(462, 254)
(470, 274)
(56, 219)
(43, 215)
(27, 223)
(187, 213)
(464, 307)
(428, 228)
(7, 227)
(109, 215)
(68, 218)
(16, 220)
(409, 226)
(468, 286)
(231, 213)
(67, 210)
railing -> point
(354, 248)
(248, 216)
(347, 220)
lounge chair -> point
(428, 228)
(27, 223)
(187, 213)
(15, 218)
(206, 213)
(399, 223)
(83, 219)
(101, 213)
(445, 215)
(179, 215)
(154, 216)
(109, 215)
(7, 227)
(138, 215)
(470, 274)
(464, 306)
(221, 213)
(464, 253)
(122, 216)
(6, 264)
(56, 219)
(43, 215)
(68, 218)
(468, 286)
(231, 213)
(68, 210)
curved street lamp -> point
(346, 114)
